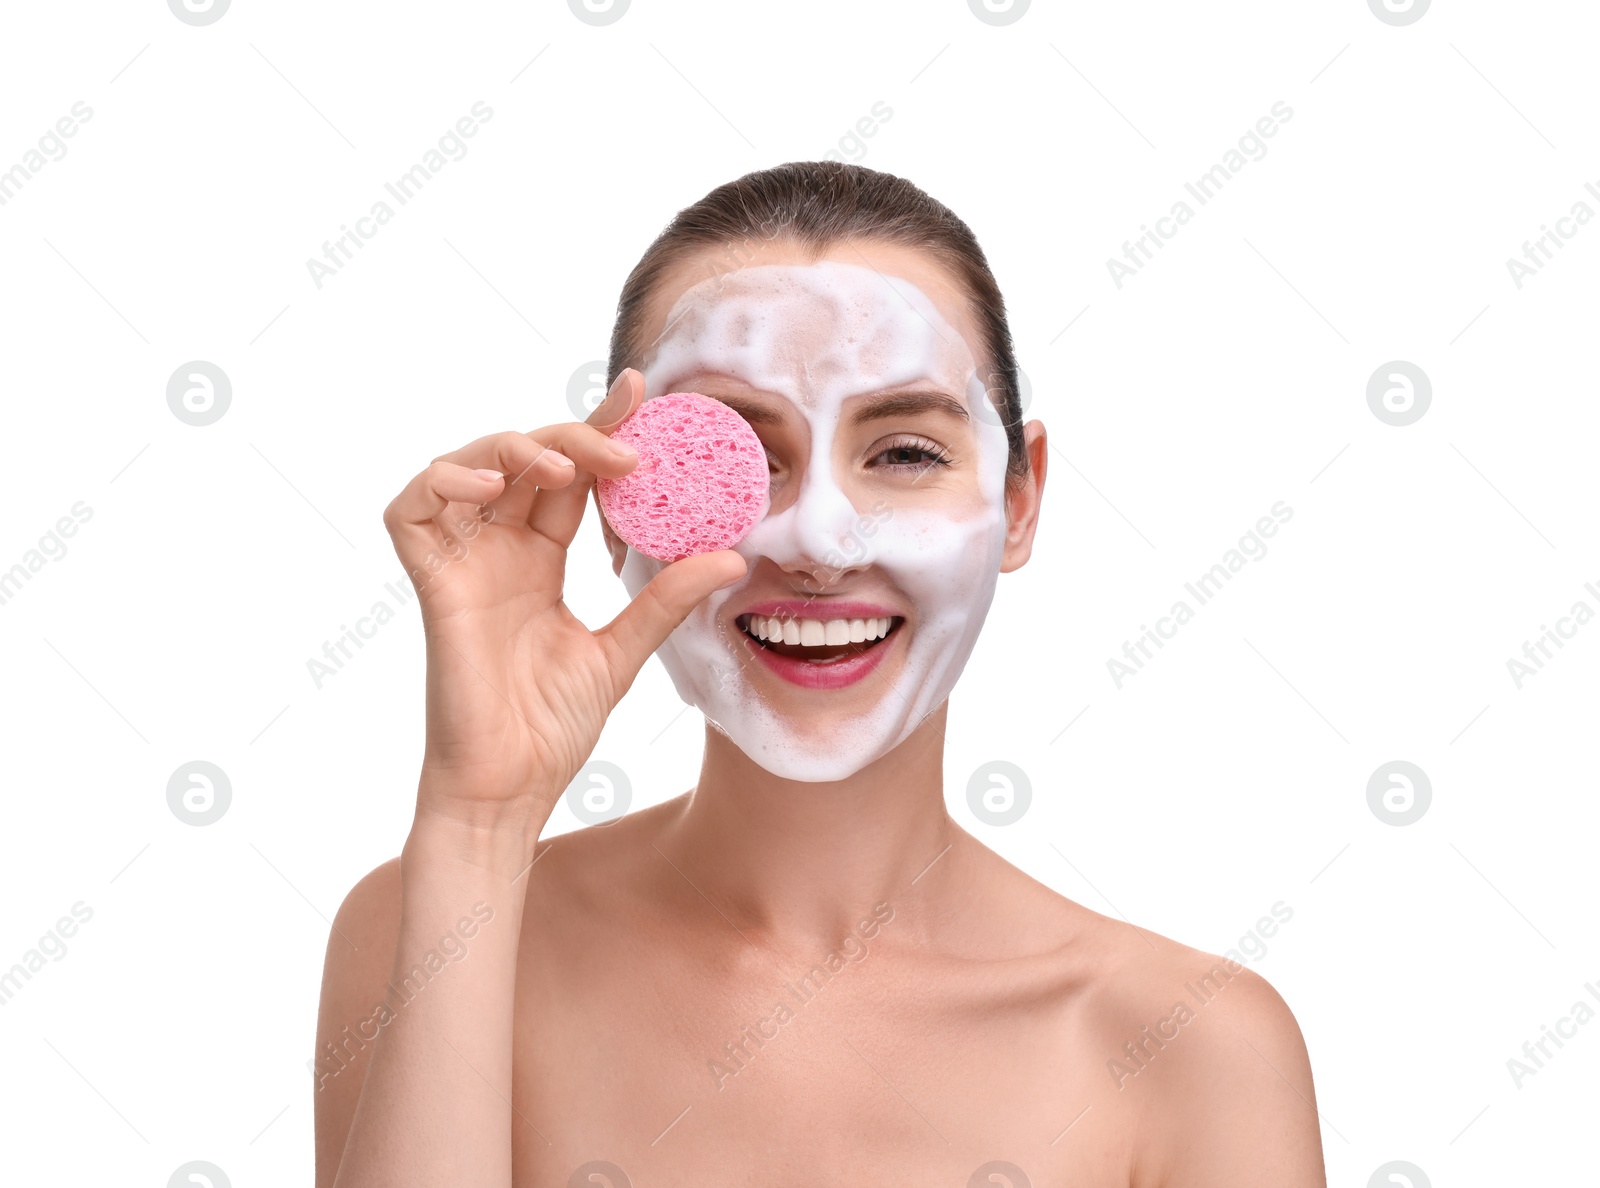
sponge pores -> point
(702, 482)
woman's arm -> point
(414, 1039)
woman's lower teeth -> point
(830, 659)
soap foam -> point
(819, 334)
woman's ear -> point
(614, 543)
(1022, 500)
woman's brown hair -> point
(818, 204)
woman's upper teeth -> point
(817, 632)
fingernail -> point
(616, 386)
(488, 476)
(558, 459)
(623, 450)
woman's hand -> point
(518, 689)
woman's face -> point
(860, 373)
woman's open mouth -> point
(820, 653)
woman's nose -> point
(815, 535)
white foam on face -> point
(817, 335)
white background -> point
(1228, 374)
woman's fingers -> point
(481, 472)
(665, 602)
(557, 514)
(514, 454)
(541, 478)
(411, 515)
(545, 458)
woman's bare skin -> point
(657, 994)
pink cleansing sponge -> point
(701, 484)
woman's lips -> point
(836, 673)
(818, 608)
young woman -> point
(801, 971)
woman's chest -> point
(651, 1071)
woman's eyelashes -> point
(912, 455)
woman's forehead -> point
(816, 332)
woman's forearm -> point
(435, 1100)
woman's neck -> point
(805, 863)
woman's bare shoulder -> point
(361, 944)
(1218, 1059)
(600, 876)
(1130, 980)
(364, 932)
(1201, 1045)
(373, 900)
(578, 867)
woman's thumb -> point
(666, 600)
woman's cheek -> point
(943, 561)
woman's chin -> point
(833, 717)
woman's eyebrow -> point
(753, 412)
(903, 403)
(884, 407)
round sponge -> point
(701, 484)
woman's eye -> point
(914, 454)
